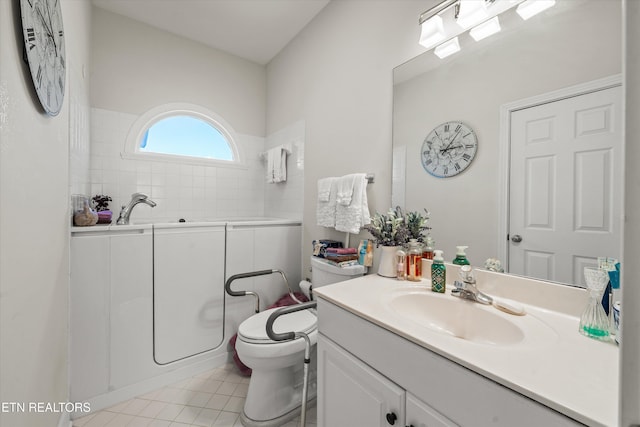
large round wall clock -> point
(448, 149)
(44, 51)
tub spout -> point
(136, 199)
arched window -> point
(182, 133)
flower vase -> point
(387, 263)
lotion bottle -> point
(438, 273)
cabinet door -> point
(352, 394)
(419, 414)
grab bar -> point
(286, 336)
(227, 285)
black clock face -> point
(448, 149)
(44, 50)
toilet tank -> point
(325, 273)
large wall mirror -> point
(503, 88)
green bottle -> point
(438, 273)
(461, 256)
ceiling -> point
(252, 29)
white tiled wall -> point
(285, 200)
(194, 191)
(79, 137)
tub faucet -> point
(136, 198)
(467, 288)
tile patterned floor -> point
(211, 399)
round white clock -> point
(448, 149)
(43, 34)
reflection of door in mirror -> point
(565, 194)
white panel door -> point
(350, 393)
(565, 198)
(188, 291)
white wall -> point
(472, 87)
(336, 75)
(137, 68)
(630, 348)
(34, 219)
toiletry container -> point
(438, 273)
(401, 259)
(461, 256)
(427, 249)
(414, 261)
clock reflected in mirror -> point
(448, 149)
(44, 51)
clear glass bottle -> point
(427, 248)
(438, 273)
(594, 322)
(401, 259)
(414, 261)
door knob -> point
(391, 418)
(516, 238)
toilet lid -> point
(255, 328)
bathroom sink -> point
(466, 320)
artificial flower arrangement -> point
(396, 228)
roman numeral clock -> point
(44, 51)
(448, 149)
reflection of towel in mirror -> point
(344, 188)
(352, 217)
(276, 165)
(326, 206)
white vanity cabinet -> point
(366, 371)
(354, 394)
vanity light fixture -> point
(471, 13)
(485, 29)
(532, 7)
(447, 48)
(450, 18)
(432, 32)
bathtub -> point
(148, 306)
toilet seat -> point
(253, 330)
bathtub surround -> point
(195, 191)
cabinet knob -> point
(391, 418)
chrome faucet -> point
(467, 288)
(136, 198)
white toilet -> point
(275, 389)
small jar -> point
(414, 261)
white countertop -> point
(566, 371)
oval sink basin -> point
(465, 319)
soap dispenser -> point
(461, 256)
(438, 273)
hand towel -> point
(353, 217)
(276, 165)
(326, 209)
(324, 189)
(345, 187)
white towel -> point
(326, 206)
(276, 165)
(345, 187)
(353, 217)
(324, 188)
